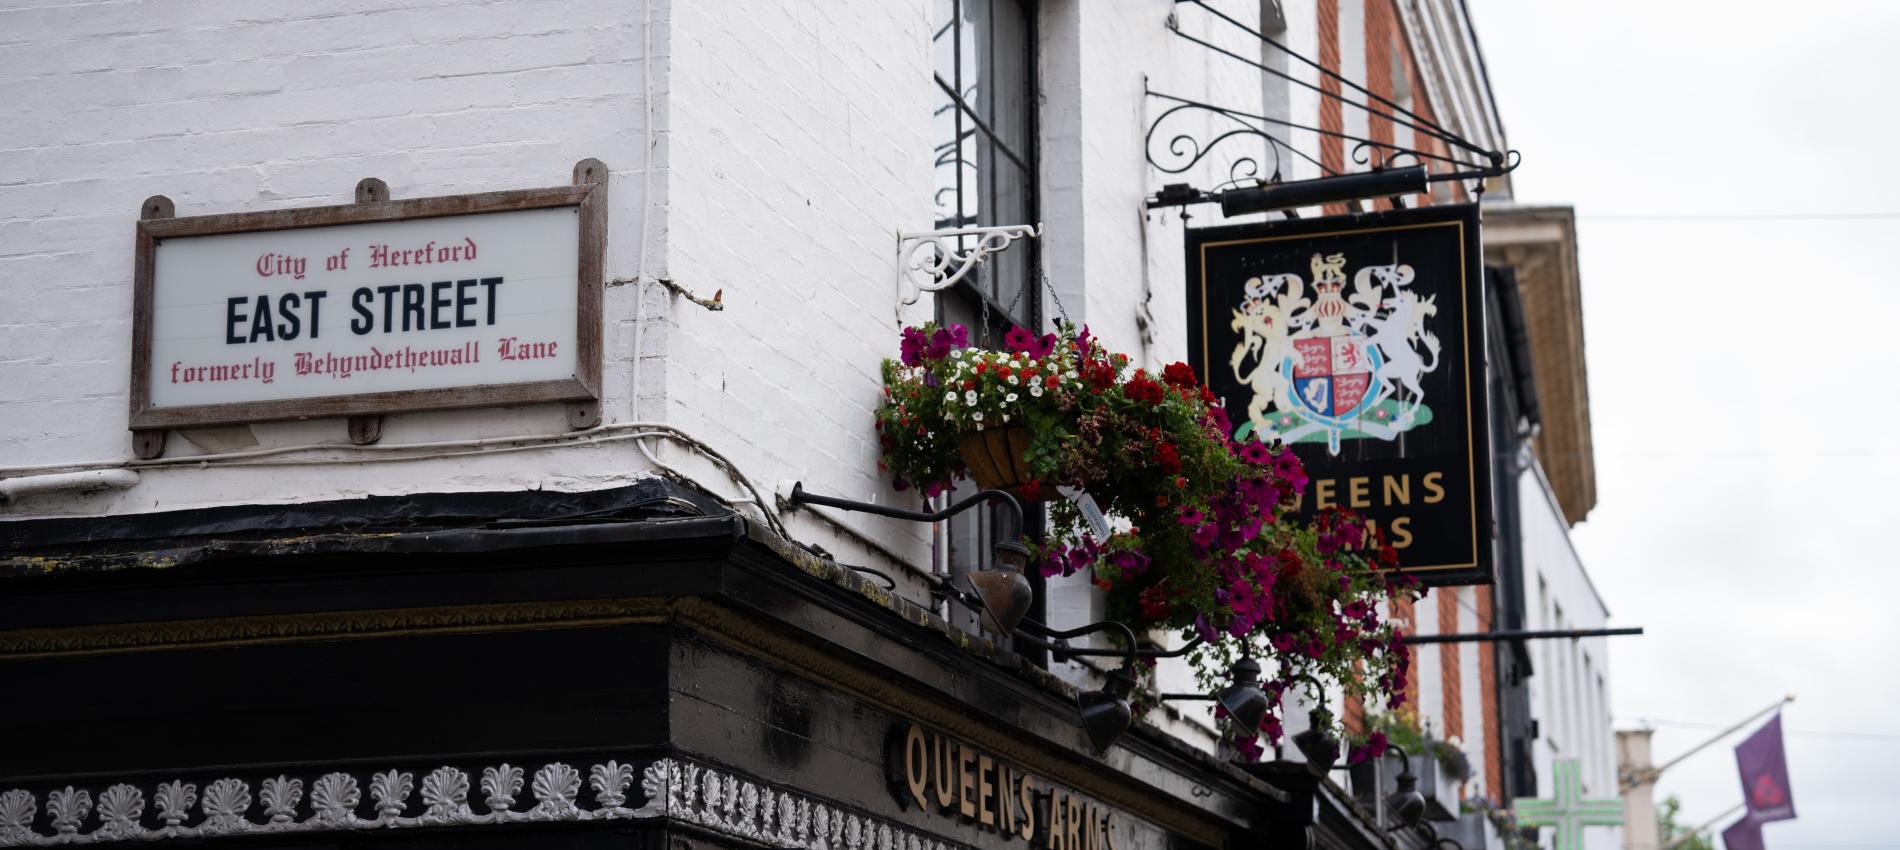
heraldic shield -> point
(1335, 379)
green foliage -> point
(1668, 832)
(1206, 543)
(1401, 727)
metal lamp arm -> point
(1058, 640)
(800, 497)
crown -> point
(1329, 269)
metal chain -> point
(1042, 279)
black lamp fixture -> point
(1105, 713)
(1322, 190)
(1406, 803)
(1244, 700)
(1319, 747)
(1293, 194)
(1004, 590)
(1003, 597)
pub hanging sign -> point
(1358, 340)
(369, 308)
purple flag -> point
(1744, 834)
(1764, 769)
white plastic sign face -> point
(349, 309)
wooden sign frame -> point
(588, 194)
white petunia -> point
(969, 397)
(978, 416)
(1009, 398)
(951, 397)
(1035, 389)
(1069, 374)
(1005, 417)
(1013, 381)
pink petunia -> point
(1019, 340)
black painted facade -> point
(706, 682)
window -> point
(983, 65)
(982, 57)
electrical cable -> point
(1693, 216)
(1808, 733)
(605, 433)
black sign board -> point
(1359, 341)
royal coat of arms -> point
(1337, 366)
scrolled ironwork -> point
(931, 261)
(1380, 157)
(1184, 149)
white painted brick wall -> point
(790, 142)
(229, 106)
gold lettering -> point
(1401, 534)
(984, 790)
(917, 764)
(1434, 492)
(1073, 822)
(1398, 489)
(1005, 800)
(1359, 491)
(945, 773)
(1058, 814)
(1026, 798)
(1323, 493)
(966, 781)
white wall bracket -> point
(930, 261)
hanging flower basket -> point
(1205, 540)
(998, 459)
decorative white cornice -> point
(706, 797)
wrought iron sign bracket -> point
(931, 261)
(1187, 131)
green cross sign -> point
(1568, 811)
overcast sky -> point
(1741, 383)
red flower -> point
(1154, 605)
(1180, 375)
(1168, 457)
(1144, 390)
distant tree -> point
(1668, 832)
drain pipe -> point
(73, 482)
